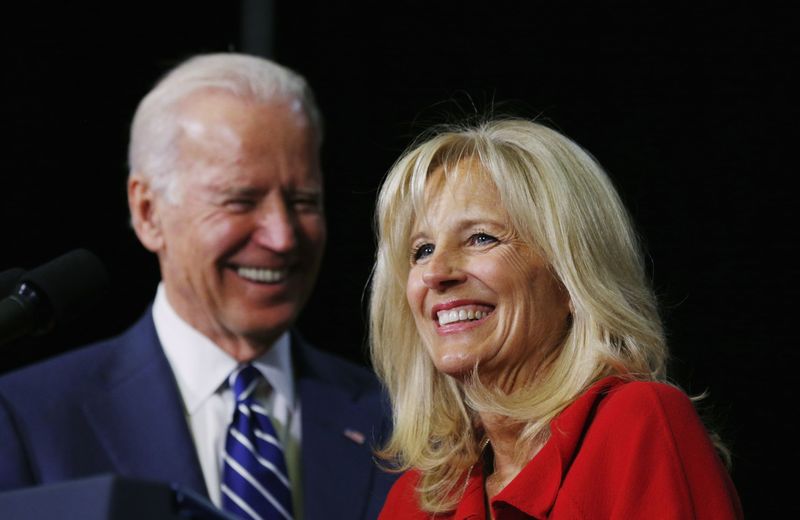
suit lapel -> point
(337, 469)
(337, 460)
(139, 418)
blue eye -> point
(421, 252)
(480, 239)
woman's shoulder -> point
(402, 501)
(618, 402)
(636, 409)
(642, 399)
(637, 446)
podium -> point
(107, 497)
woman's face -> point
(479, 295)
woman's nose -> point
(443, 272)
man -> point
(225, 188)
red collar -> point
(545, 472)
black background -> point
(692, 112)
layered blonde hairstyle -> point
(562, 204)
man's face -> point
(241, 246)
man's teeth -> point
(454, 315)
(263, 275)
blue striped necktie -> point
(255, 482)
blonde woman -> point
(514, 326)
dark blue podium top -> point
(107, 497)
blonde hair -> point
(561, 203)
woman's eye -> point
(421, 252)
(480, 239)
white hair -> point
(155, 129)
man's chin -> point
(262, 323)
(264, 331)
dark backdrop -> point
(692, 112)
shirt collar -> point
(201, 367)
(276, 365)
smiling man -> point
(212, 388)
(240, 234)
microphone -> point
(9, 279)
(52, 293)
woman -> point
(513, 324)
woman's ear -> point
(145, 218)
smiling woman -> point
(515, 328)
(468, 260)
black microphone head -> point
(9, 279)
(71, 283)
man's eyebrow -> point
(307, 190)
(243, 191)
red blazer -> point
(621, 450)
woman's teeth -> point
(454, 315)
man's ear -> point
(144, 208)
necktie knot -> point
(244, 381)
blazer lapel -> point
(139, 417)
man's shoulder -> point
(77, 368)
(316, 363)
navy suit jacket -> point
(114, 407)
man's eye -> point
(480, 239)
(306, 203)
(239, 205)
(421, 252)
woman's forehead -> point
(466, 169)
(465, 192)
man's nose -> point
(277, 230)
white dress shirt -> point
(201, 370)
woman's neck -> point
(503, 435)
